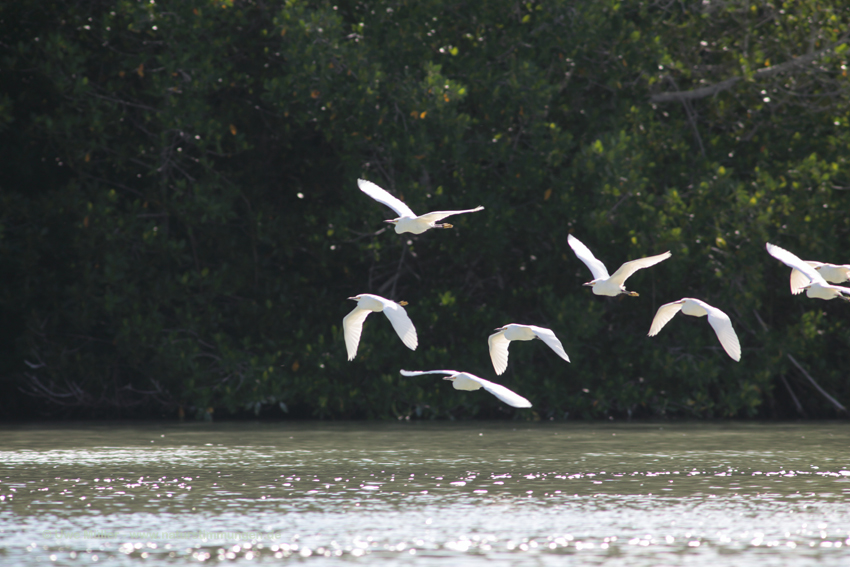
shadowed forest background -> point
(181, 223)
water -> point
(420, 494)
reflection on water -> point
(495, 493)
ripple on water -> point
(631, 494)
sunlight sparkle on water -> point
(516, 495)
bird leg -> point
(444, 225)
(632, 293)
(402, 303)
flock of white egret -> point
(815, 278)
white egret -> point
(352, 324)
(602, 283)
(833, 273)
(500, 340)
(407, 220)
(467, 381)
(718, 320)
(815, 286)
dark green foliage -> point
(180, 220)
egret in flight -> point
(718, 320)
(833, 273)
(407, 220)
(602, 283)
(501, 339)
(467, 381)
(814, 285)
(352, 324)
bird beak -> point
(588, 284)
(391, 221)
(354, 298)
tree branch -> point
(690, 114)
(711, 90)
(832, 400)
(800, 409)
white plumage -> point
(718, 320)
(500, 340)
(602, 283)
(352, 324)
(809, 279)
(407, 220)
(467, 381)
(833, 273)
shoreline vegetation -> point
(180, 219)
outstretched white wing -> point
(352, 327)
(833, 273)
(508, 396)
(830, 272)
(382, 196)
(548, 337)
(401, 323)
(596, 267)
(722, 326)
(499, 351)
(629, 268)
(799, 280)
(437, 216)
(421, 372)
(795, 263)
(663, 316)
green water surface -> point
(426, 493)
